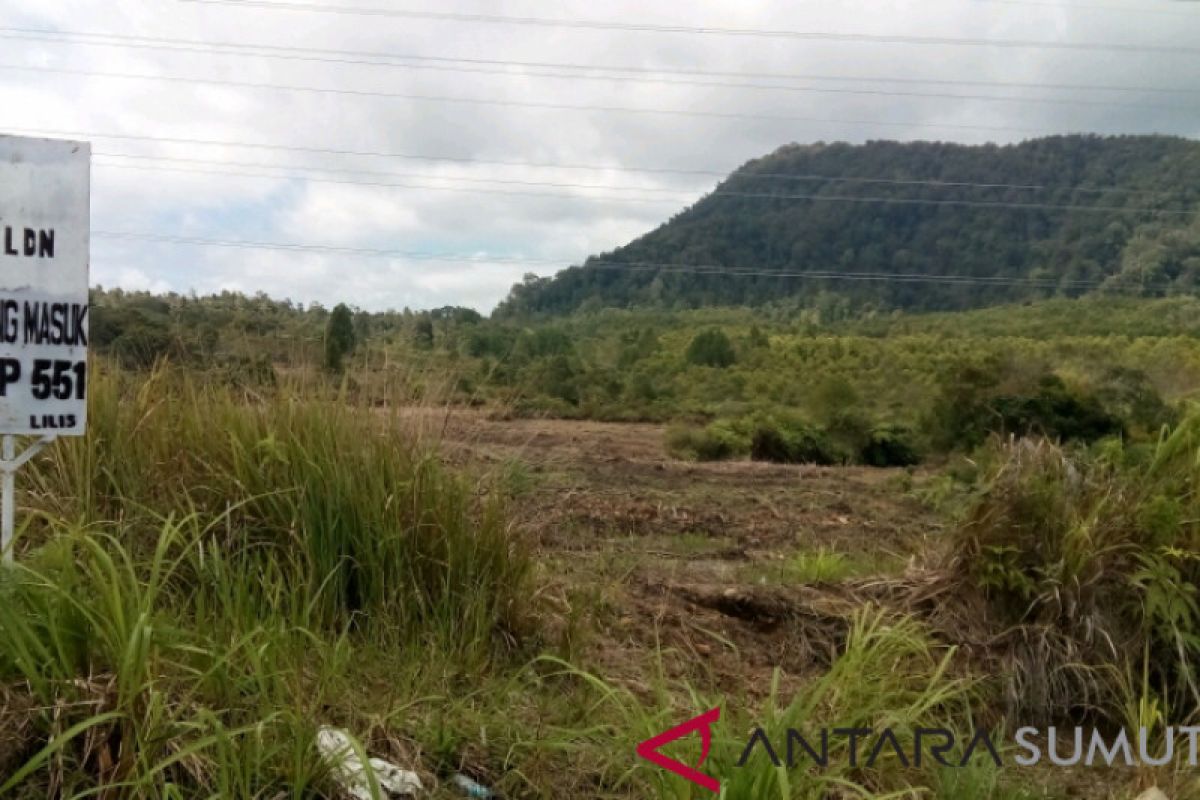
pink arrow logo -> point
(649, 749)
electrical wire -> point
(369, 58)
(619, 74)
(528, 164)
(591, 24)
(1140, 10)
(739, 176)
(633, 266)
(541, 106)
(827, 198)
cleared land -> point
(720, 576)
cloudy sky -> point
(455, 154)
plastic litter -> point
(334, 745)
(470, 788)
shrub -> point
(970, 407)
(1088, 563)
(790, 442)
(711, 348)
(1055, 411)
(141, 346)
(340, 337)
(833, 397)
(246, 372)
(716, 442)
(555, 377)
(849, 432)
(1129, 395)
(890, 446)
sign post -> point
(44, 230)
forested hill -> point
(988, 221)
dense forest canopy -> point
(1059, 216)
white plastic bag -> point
(335, 747)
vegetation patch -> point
(1087, 559)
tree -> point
(1019, 253)
(711, 348)
(423, 332)
(339, 337)
(757, 339)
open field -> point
(220, 568)
(734, 579)
(701, 557)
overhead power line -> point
(472, 190)
(740, 176)
(633, 266)
(538, 105)
(369, 58)
(604, 25)
(1140, 9)
(584, 72)
(276, 147)
(818, 198)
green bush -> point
(1087, 560)
(340, 337)
(972, 406)
(890, 446)
(1129, 395)
(719, 441)
(790, 442)
(554, 377)
(787, 439)
(142, 345)
(1055, 411)
(246, 372)
(711, 348)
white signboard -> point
(44, 224)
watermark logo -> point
(867, 747)
(650, 749)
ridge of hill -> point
(969, 226)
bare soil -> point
(693, 556)
(681, 571)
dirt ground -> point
(701, 575)
(700, 558)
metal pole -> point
(9, 499)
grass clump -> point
(783, 438)
(1087, 558)
(790, 442)
(146, 681)
(719, 441)
(209, 575)
(889, 674)
(355, 505)
(823, 565)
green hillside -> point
(1058, 216)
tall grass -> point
(1088, 562)
(354, 505)
(890, 674)
(139, 689)
(202, 573)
